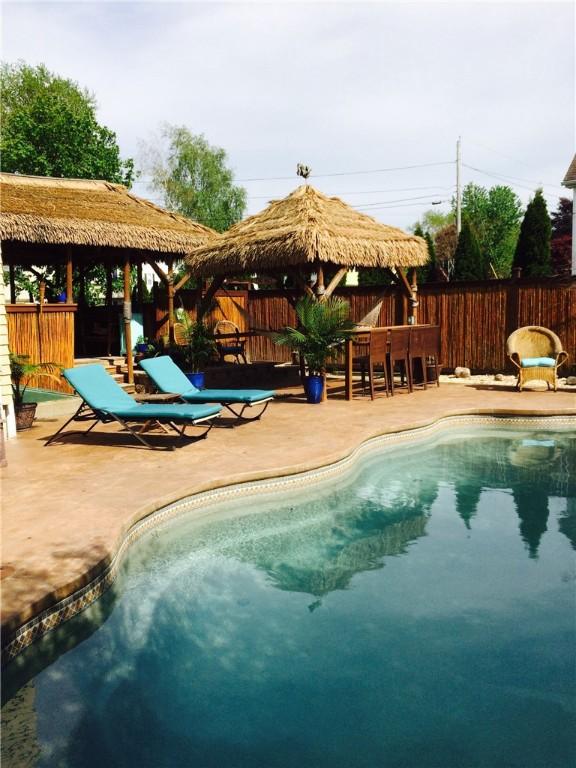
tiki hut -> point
(84, 222)
(308, 231)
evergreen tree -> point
(425, 274)
(533, 248)
(469, 264)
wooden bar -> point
(171, 300)
(349, 353)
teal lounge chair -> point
(104, 400)
(169, 378)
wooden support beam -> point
(170, 290)
(182, 282)
(320, 289)
(205, 301)
(159, 271)
(334, 283)
(109, 313)
(69, 275)
(127, 315)
(413, 300)
(302, 282)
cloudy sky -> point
(351, 89)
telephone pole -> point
(458, 186)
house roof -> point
(570, 177)
(306, 228)
(50, 211)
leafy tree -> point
(49, 128)
(533, 249)
(562, 218)
(469, 263)
(193, 178)
(561, 243)
(433, 221)
(495, 215)
(445, 244)
(374, 276)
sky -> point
(350, 89)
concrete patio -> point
(67, 507)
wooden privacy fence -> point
(45, 336)
(475, 318)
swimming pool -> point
(417, 611)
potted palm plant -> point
(323, 326)
(21, 371)
(199, 348)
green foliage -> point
(433, 221)
(374, 276)
(322, 328)
(533, 248)
(469, 263)
(495, 215)
(21, 370)
(562, 218)
(194, 180)
(201, 345)
(49, 128)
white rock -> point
(462, 373)
(499, 377)
(571, 381)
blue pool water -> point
(419, 612)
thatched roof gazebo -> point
(305, 232)
(48, 221)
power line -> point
(398, 200)
(505, 177)
(365, 192)
(403, 205)
(497, 152)
(350, 173)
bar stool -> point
(377, 355)
(398, 353)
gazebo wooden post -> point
(127, 315)
(319, 288)
(170, 289)
(109, 312)
(69, 275)
(12, 285)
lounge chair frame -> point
(86, 413)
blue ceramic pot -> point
(62, 298)
(142, 348)
(196, 379)
(314, 389)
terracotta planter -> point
(25, 415)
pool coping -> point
(91, 585)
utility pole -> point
(458, 186)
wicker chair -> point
(537, 354)
(180, 335)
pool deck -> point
(67, 507)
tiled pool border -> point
(70, 606)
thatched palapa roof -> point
(302, 229)
(49, 211)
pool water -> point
(419, 612)
(32, 395)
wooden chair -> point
(431, 341)
(398, 353)
(378, 355)
(234, 346)
(537, 354)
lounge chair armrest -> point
(561, 358)
(515, 358)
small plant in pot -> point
(323, 326)
(143, 346)
(21, 371)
